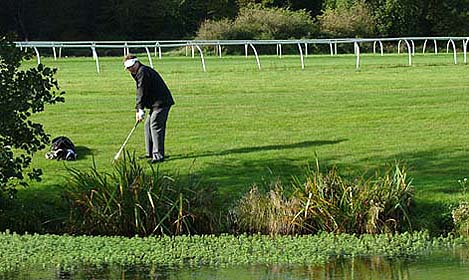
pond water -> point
(452, 265)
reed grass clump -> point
(461, 213)
(326, 201)
(131, 201)
(267, 213)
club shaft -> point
(126, 140)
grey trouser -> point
(155, 130)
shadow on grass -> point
(434, 216)
(433, 170)
(244, 150)
(233, 179)
(235, 175)
(35, 210)
(83, 152)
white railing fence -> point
(94, 46)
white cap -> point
(130, 62)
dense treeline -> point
(177, 19)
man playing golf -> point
(152, 93)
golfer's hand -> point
(139, 115)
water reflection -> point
(436, 265)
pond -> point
(435, 265)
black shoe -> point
(144, 157)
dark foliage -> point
(178, 19)
(22, 94)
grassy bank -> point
(235, 125)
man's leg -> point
(148, 137)
(158, 120)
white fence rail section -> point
(218, 44)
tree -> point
(194, 12)
(12, 17)
(347, 21)
(22, 94)
(447, 18)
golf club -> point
(125, 142)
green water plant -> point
(69, 252)
(134, 200)
(326, 201)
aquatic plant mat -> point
(68, 252)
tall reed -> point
(325, 201)
(131, 201)
(363, 205)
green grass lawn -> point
(235, 125)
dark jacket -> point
(152, 91)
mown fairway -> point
(235, 125)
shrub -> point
(328, 202)
(131, 202)
(461, 213)
(214, 29)
(256, 22)
(343, 21)
(274, 23)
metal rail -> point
(94, 46)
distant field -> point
(235, 125)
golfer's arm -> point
(140, 91)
